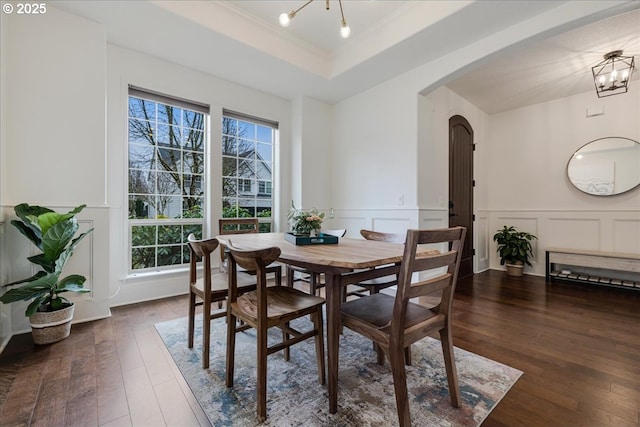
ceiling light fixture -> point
(345, 31)
(612, 75)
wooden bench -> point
(621, 270)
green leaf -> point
(57, 237)
(33, 307)
(30, 232)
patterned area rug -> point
(365, 396)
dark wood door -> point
(461, 185)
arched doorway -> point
(461, 185)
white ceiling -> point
(244, 43)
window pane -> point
(143, 235)
(193, 185)
(143, 258)
(169, 255)
(246, 149)
(141, 156)
(169, 136)
(264, 152)
(167, 183)
(229, 126)
(194, 140)
(248, 206)
(246, 130)
(246, 168)
(230, 208)
(141, 131)
(193, 120)
(169, 114)
(192, 207)
(168, 234)
(263, 170)
(229, 146)
(142, 182)
(229, 166)
(229, 187)
(139, 207)
(265, 134)
(169, 160)
(169, 207)
(142, 109)
(193, 162)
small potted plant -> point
(53, 233)
(305, 222)
(514, 248)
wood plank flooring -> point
(578, 346)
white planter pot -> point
(51, 326)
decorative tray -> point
(321, 239)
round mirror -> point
(606, 166)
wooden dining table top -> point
(347, 253)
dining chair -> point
(205, 290)
(243, 226)
(314, 279)
(395, 322)
(265, 308)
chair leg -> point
(407, 356)
(396, 360)
(285, 338)
(278, 277)
(261, 391)
(290, 277)
(231, 348)
(318, 324)
(313, 287)
(450, 366)
(379, 352)
(206, 331)
(192, 315)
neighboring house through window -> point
(247, 167)
(167, 153)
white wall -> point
(311, 154)
(53, 141)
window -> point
(247, 168)
(166, 178)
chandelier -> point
(612, 75)
(286, 18)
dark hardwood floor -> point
(578, 346)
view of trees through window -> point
(166, 181)
(247, 170)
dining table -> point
(349, 261)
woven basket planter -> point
(515, 270)
(51, 326)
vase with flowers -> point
(305, 222)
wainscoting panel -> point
(626, 235)
(571, 231)
(483, 237)
(606, 231)
(90, 258)
(385, 220)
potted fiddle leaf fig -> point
(54, 234)
(514, 248)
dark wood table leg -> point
(332, 289)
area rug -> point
(365, 391)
